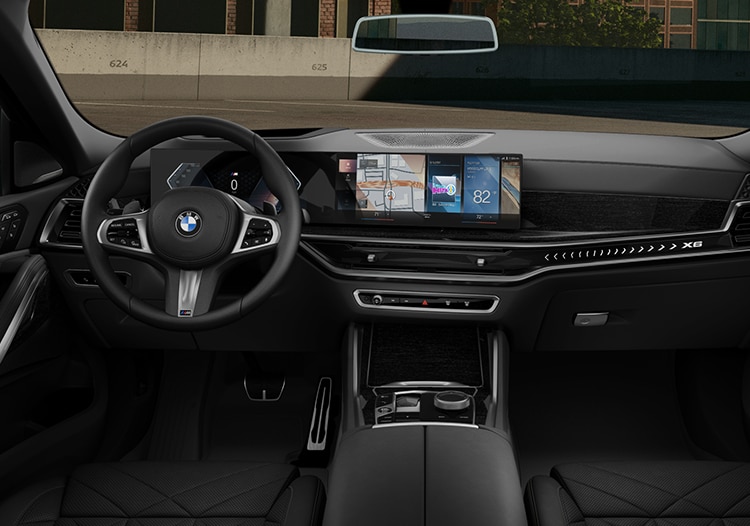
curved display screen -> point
(446, 190)
(400, 189)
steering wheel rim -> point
(111, 176)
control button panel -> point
(124, 232)
(11, 225)
(259, 232)
(424, 406)
(426, 301)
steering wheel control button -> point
(124, 233)
(452, 401)
(188, 223)
(259, 232)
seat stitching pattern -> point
(646, 484)
(165, 499)
(729, 511)
(679, 498)
(646, 513)
(102, 495)
(203, 514)
(36, 499)
(197, 486)
(703, 485)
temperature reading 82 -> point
(482, 197)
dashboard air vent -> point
(425, 140)
(64, 224)
(744, 191)
(79, 189)
(740, 229)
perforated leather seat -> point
(641, 494)
(171, 494)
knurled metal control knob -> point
(452, 401)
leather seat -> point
(171, 494)
(641, 494)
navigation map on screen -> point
(436, 189)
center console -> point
(425, 439)
(426, 373)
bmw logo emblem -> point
(188, 223)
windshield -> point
(661, 67)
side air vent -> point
(64, 224)
(740, 228)
(79, 189)
(744, 191)
(425, 140)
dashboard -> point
(392, 233)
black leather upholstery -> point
(641, 494)
(171, 494)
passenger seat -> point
(171, 494)
(641, 494)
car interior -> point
(207, 325)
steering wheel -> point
(194, 234)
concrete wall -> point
(115, 65)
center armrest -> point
(429, 475)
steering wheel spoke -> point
(190, 293)
(125, 234)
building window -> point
(680, 16)
(78, 14)
(657, 12)
(680, 41)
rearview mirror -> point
(425, 34)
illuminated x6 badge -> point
(188, 223)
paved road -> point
(690, 118)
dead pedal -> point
(321, 411)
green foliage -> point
(596, 23)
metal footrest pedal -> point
(318, 435)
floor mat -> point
(570, 407)
(240, 429)
(267, 431)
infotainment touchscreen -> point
(444, 190)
